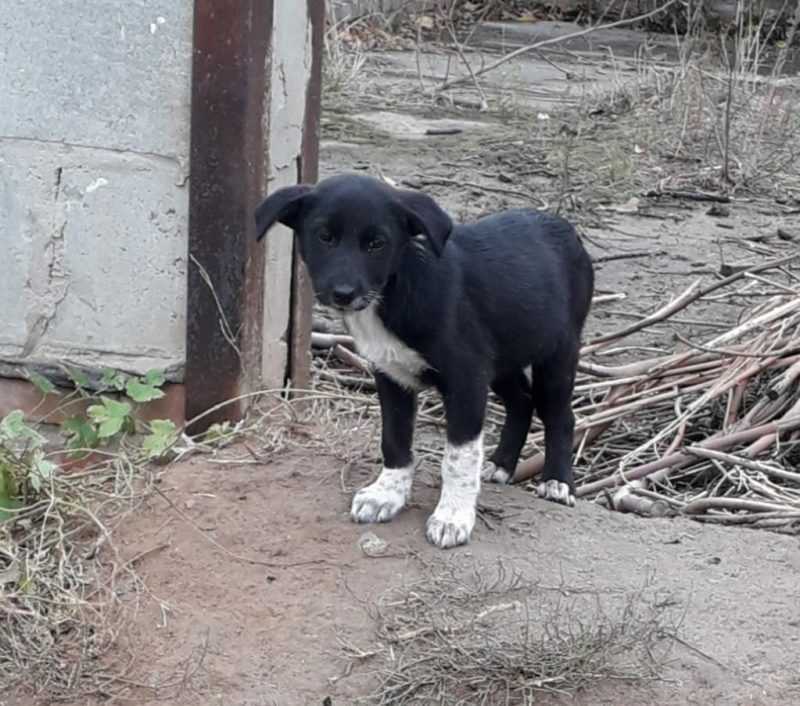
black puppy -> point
(496, 304)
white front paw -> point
(382, 500)
(450, 525)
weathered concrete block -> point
(94, 145)
(97, 272)
(101, 74)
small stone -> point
(372, 545)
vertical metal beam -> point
(229, 139)
(302, 293)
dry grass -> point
(343, 64)
(491, 637)
(723, 116)
(62, 582)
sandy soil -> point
(217, 630)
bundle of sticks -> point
(711, 430)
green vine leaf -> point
(14, 428)
(154, 378)
(42, 383)
(80, 433)
(78, 378)
(110, 417)
(114, 380)
(163, 434)
(140, 391)
(41, 472)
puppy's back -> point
(532, 249)
(529, 262)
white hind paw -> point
(494, 474)
(556, 492)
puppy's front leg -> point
(383, 499)
(454, 518)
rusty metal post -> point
(229, 139)
(302, 294)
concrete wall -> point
(291, 65)
(95, 110)
(94, 143)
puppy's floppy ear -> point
(283, 206)
(426, 217)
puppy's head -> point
(352, 231)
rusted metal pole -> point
(229, 139)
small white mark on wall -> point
(96, 184)
(155, 25)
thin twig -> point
(556, 40)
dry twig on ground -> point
(493, 638)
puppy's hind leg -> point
(390, 493)
(552, 390)
(452, 522)
(515, 392)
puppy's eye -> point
(375, 244)
(325, 236)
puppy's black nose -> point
(343, 295)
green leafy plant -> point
(55, 515)
(111, 417)
(79, 379)
(8, 491)
(80, 433)
(163, 434)
(141, 391)
(113, 380)
(42, 383)
(217, 434)
(24, 467)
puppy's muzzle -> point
(343, 296)
(346, 298)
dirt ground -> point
(223, 627)
(216, 630)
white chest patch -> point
(385, 350)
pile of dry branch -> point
(711, 430)
(491, 637)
